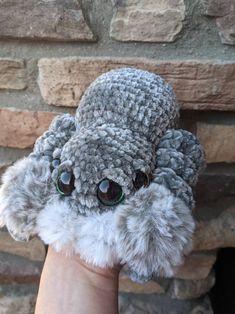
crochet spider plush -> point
(114, 183)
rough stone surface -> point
(224, 11)
(189, 289)
(12, 72)
(226, 27)
(126, 285)
(198, 85)
(144, 20)
(18, 298)
(218, 7)
(216, 233)
(33, 250)
(49, 20)
(196, 266)
(218, 141)
(15, 269)
(215, 191)
(162, 304)
(17, 304)
(20, 128)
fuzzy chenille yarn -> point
(114, 183)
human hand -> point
(70, 285)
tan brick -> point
(218, 141)
(216, 233)
(15, 269)
(34, 249)
(198, 85)
(224, 11)
(226, 27)
(196, 266)
(158, 304)
(20, 128)
(127, 285)
(150, 21)
(12, 74)
(18, 304)
(190, 289)
(46, 20)
(218, 7)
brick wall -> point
(49, 53)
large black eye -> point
(109, 192)
(141, 179)
(65, 183)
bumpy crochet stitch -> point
(124, 127)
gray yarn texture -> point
(126, 122)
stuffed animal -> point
(114, 183)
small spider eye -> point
(109, 192)
(65, 183)
(141, 179)
(55, 164)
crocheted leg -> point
(61, 129)
(155, 227)
(180, 151)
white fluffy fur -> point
(154, 232)
(23, 193)
(93, 236)
(151, 232)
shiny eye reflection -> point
(65, 183)
(141, 179)
(109, 192)
(55, 164)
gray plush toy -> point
(114, 183)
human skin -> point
(69, 285)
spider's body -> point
(114, 183)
